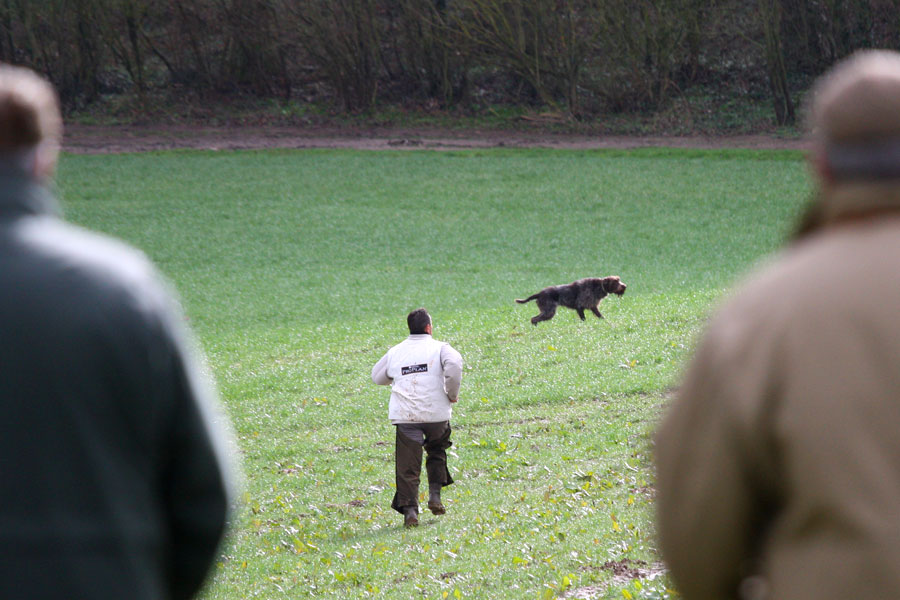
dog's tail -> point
(528, 299)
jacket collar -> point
(419, 336)
(22, 195)
(852, 198)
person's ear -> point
(428, 329)
(44, 163)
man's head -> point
(30, 122)
(854, 121)
(419, 322)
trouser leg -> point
(408, 466)
(437, 440)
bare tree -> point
(541, 41)
(770, 15)
(58, 38)
(642, 46)
(423, 52)
(343, 37)
(122, 27)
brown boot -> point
(434, 502)
(410, 517)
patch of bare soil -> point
(94, 139)
(623, 572)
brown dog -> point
(581, 295)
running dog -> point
(581, 295)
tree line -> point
(581, 57)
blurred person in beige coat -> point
(779, 461)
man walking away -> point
(424, 375)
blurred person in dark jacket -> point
(116, 474)
(779, 461)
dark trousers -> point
(411, 439)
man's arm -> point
(200, 471)
(379, 372)
(451, 361)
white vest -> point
(417, 391)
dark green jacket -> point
(113, 475)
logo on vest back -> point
(423, 368)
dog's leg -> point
(547, 313)
(541, 317)
(580, 312)
(596, 311)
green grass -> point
(297, 268)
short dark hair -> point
(418, 320)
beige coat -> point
(781, 455)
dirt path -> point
(90, 139)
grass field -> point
(297, 269)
